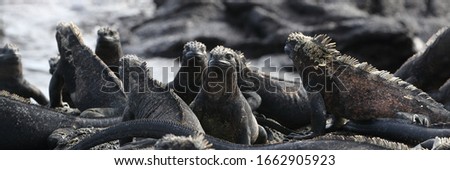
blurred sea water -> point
(30, 24)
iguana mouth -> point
(10, 54)
(220, 63)
(196, 55)
(108, 39)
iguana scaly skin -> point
(220, 106)
(188, 80)
(11, 75)
(27, 126)
(65, 94)
(109, 50)
(284, 101)
(355, 90)
(147, 128)
(150, 99)
(89, 80)
(428, 69)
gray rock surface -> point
(381, 32)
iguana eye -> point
(229, 56)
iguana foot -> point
(418, 119)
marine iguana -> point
(148, 128)
(187, 82)
(220, 106)
(88, 79)
(428, 69)
(108, 48)
(398, 130)
(65, 94)
(27, 126)
(11, 75)
(284, 101)
(357, 91)
(150, 99)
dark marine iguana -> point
(147, 128)
(220, 106)
(27, 126)
(11, 75)
(357, 91)
(428, 69)
(108, 48)
(187, 81)
(284, 101)
(89, 81)
(150, 99)
(53, 64)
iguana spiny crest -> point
(194, 47)
(320, 51)
(64, 29)
(319, 48)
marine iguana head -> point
(195, 50)
(317, 51)
(137, 77)
(108, 35)
(10, 61)
(193, 61)
(68, 35)
(133, 73)
(221, 75)
(10, 54)
(108, 47)
(53, 63)
(224, 57)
